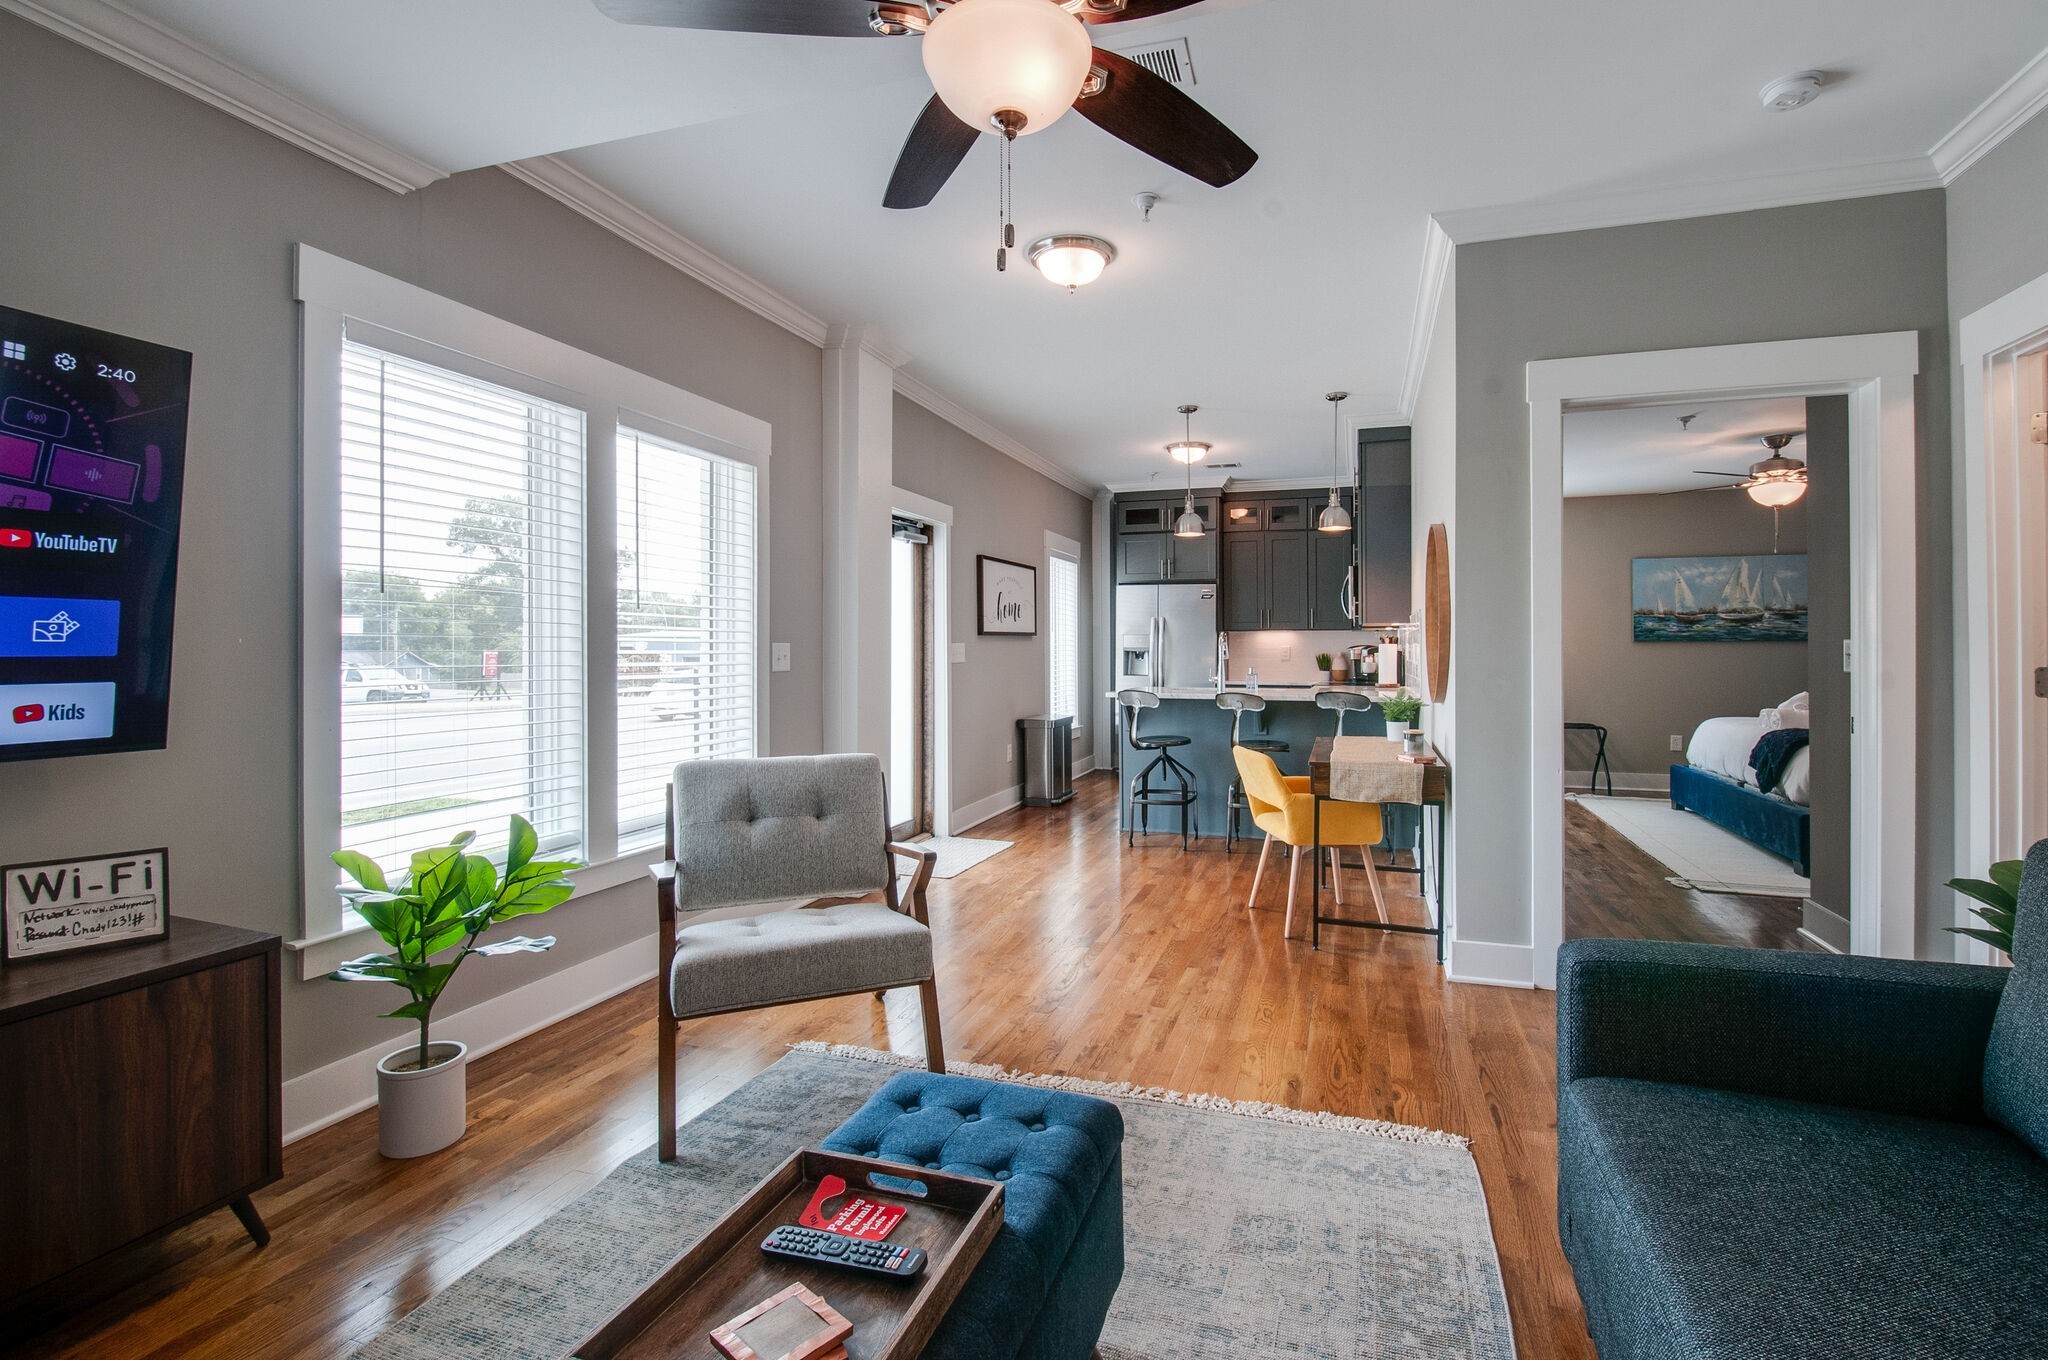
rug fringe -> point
(1158, 1095)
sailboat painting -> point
(1720, 599)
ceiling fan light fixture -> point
(1777, 491)
(1071, 261)
(1024, 58)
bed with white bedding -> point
(1717, 783)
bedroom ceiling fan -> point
(1774, 482)
(1005, 67)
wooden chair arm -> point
(920, 878)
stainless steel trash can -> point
(1048, 744)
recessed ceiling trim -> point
(1706, 198)
(113, 30)
(1992, 121)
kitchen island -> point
(1291, 715)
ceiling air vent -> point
(1168, 60)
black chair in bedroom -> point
(1599, 756)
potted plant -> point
(1401, 709)
(1323, 665)
(445, 902)
(2001, 899)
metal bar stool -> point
(1143, 796)
(1239, 703)
(1599, 756)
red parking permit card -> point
(858, 1217)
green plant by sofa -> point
(1401, 710)
(2000, 896)
(446, 901)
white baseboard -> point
(326, 1095)
(1491, 965)
(1085, 765)
(965, 819)
(1576, 781)
(1828, 929)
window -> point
(528, 584)
(686, 652)
(461, 589)
(1063, 603)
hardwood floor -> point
(1615, 890)
(1065, 954)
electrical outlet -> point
(1677, 742)
(2039, 431)
(1009, 754)
(778, 656)
(1848, 657)
(1287, 654)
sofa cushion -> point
(800, 952)
(2016, 1060)
(1057, 1155)
(1707, 1223)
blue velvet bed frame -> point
(1778, 826)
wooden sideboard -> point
(142, 1089)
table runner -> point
(1370, 770)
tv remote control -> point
(850, 1253)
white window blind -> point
(462, 680)
(686, 619)
(1064, 603)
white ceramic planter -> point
(422, 1110)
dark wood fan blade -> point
(1140, 108)
(1695, 490)
(1117, 11)
(937, 143)
(1697, 473)
(806, 18)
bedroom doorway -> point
(1877, 374)
(1700, 600)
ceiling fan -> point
(1007, 67)
(1776, 481)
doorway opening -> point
(910, 678)
(1703, 613)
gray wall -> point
(1827, 626)
(159, 217)
(1863, 265)
(1003, 509)
(1434, 465)
(1998, 221)
(1645, 692)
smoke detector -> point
(1795, 91)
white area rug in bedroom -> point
(1699, 854)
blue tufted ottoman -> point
(1043, 1289)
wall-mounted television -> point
(92, 468)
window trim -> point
(1059, 545)
(337, 296)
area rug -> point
(1249, 1229)
(958, 854)
(1699, 854)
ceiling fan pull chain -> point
(1006, 233)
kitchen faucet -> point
(1221, 677)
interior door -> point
(910, 680)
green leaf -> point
(362, 869)
(462, 840)
(434, 872)
(411, 1010)
(378, 913)
(481, 880)
(525, 842)
(2006, 874)
(519, 944)
(372, 968)
(528, 899)
(445, 937)
(1990, 937)
(1991, 894)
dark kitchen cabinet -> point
(1286, 580)
(1149, 553)
(1331, 559)
(1288, 574)
(1386, 535)
(1242, 583)
(1141, 559)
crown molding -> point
(571, 187)
(113, 30)
(868, 339)
(1437, 252)
(1991, 122)
(1705, 198)
(952, 412)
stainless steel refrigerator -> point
(1165, 635)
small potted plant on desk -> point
(1401, 710)
(445, 902)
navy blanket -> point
(1773, 752)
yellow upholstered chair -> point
(1284, 809)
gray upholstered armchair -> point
(780, 829)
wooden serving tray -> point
(726, 1272)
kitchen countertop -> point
(1272, 693)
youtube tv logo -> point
(16, 538)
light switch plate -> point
(1677, 742)
(957, 652)
(778, 656)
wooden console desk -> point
(1436, 792)
(142, 1089)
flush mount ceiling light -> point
(1795, 91)
(1335, 519)
(1189, 451)
(1071, 261)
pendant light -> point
(1189, 451)
(1335, 519)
